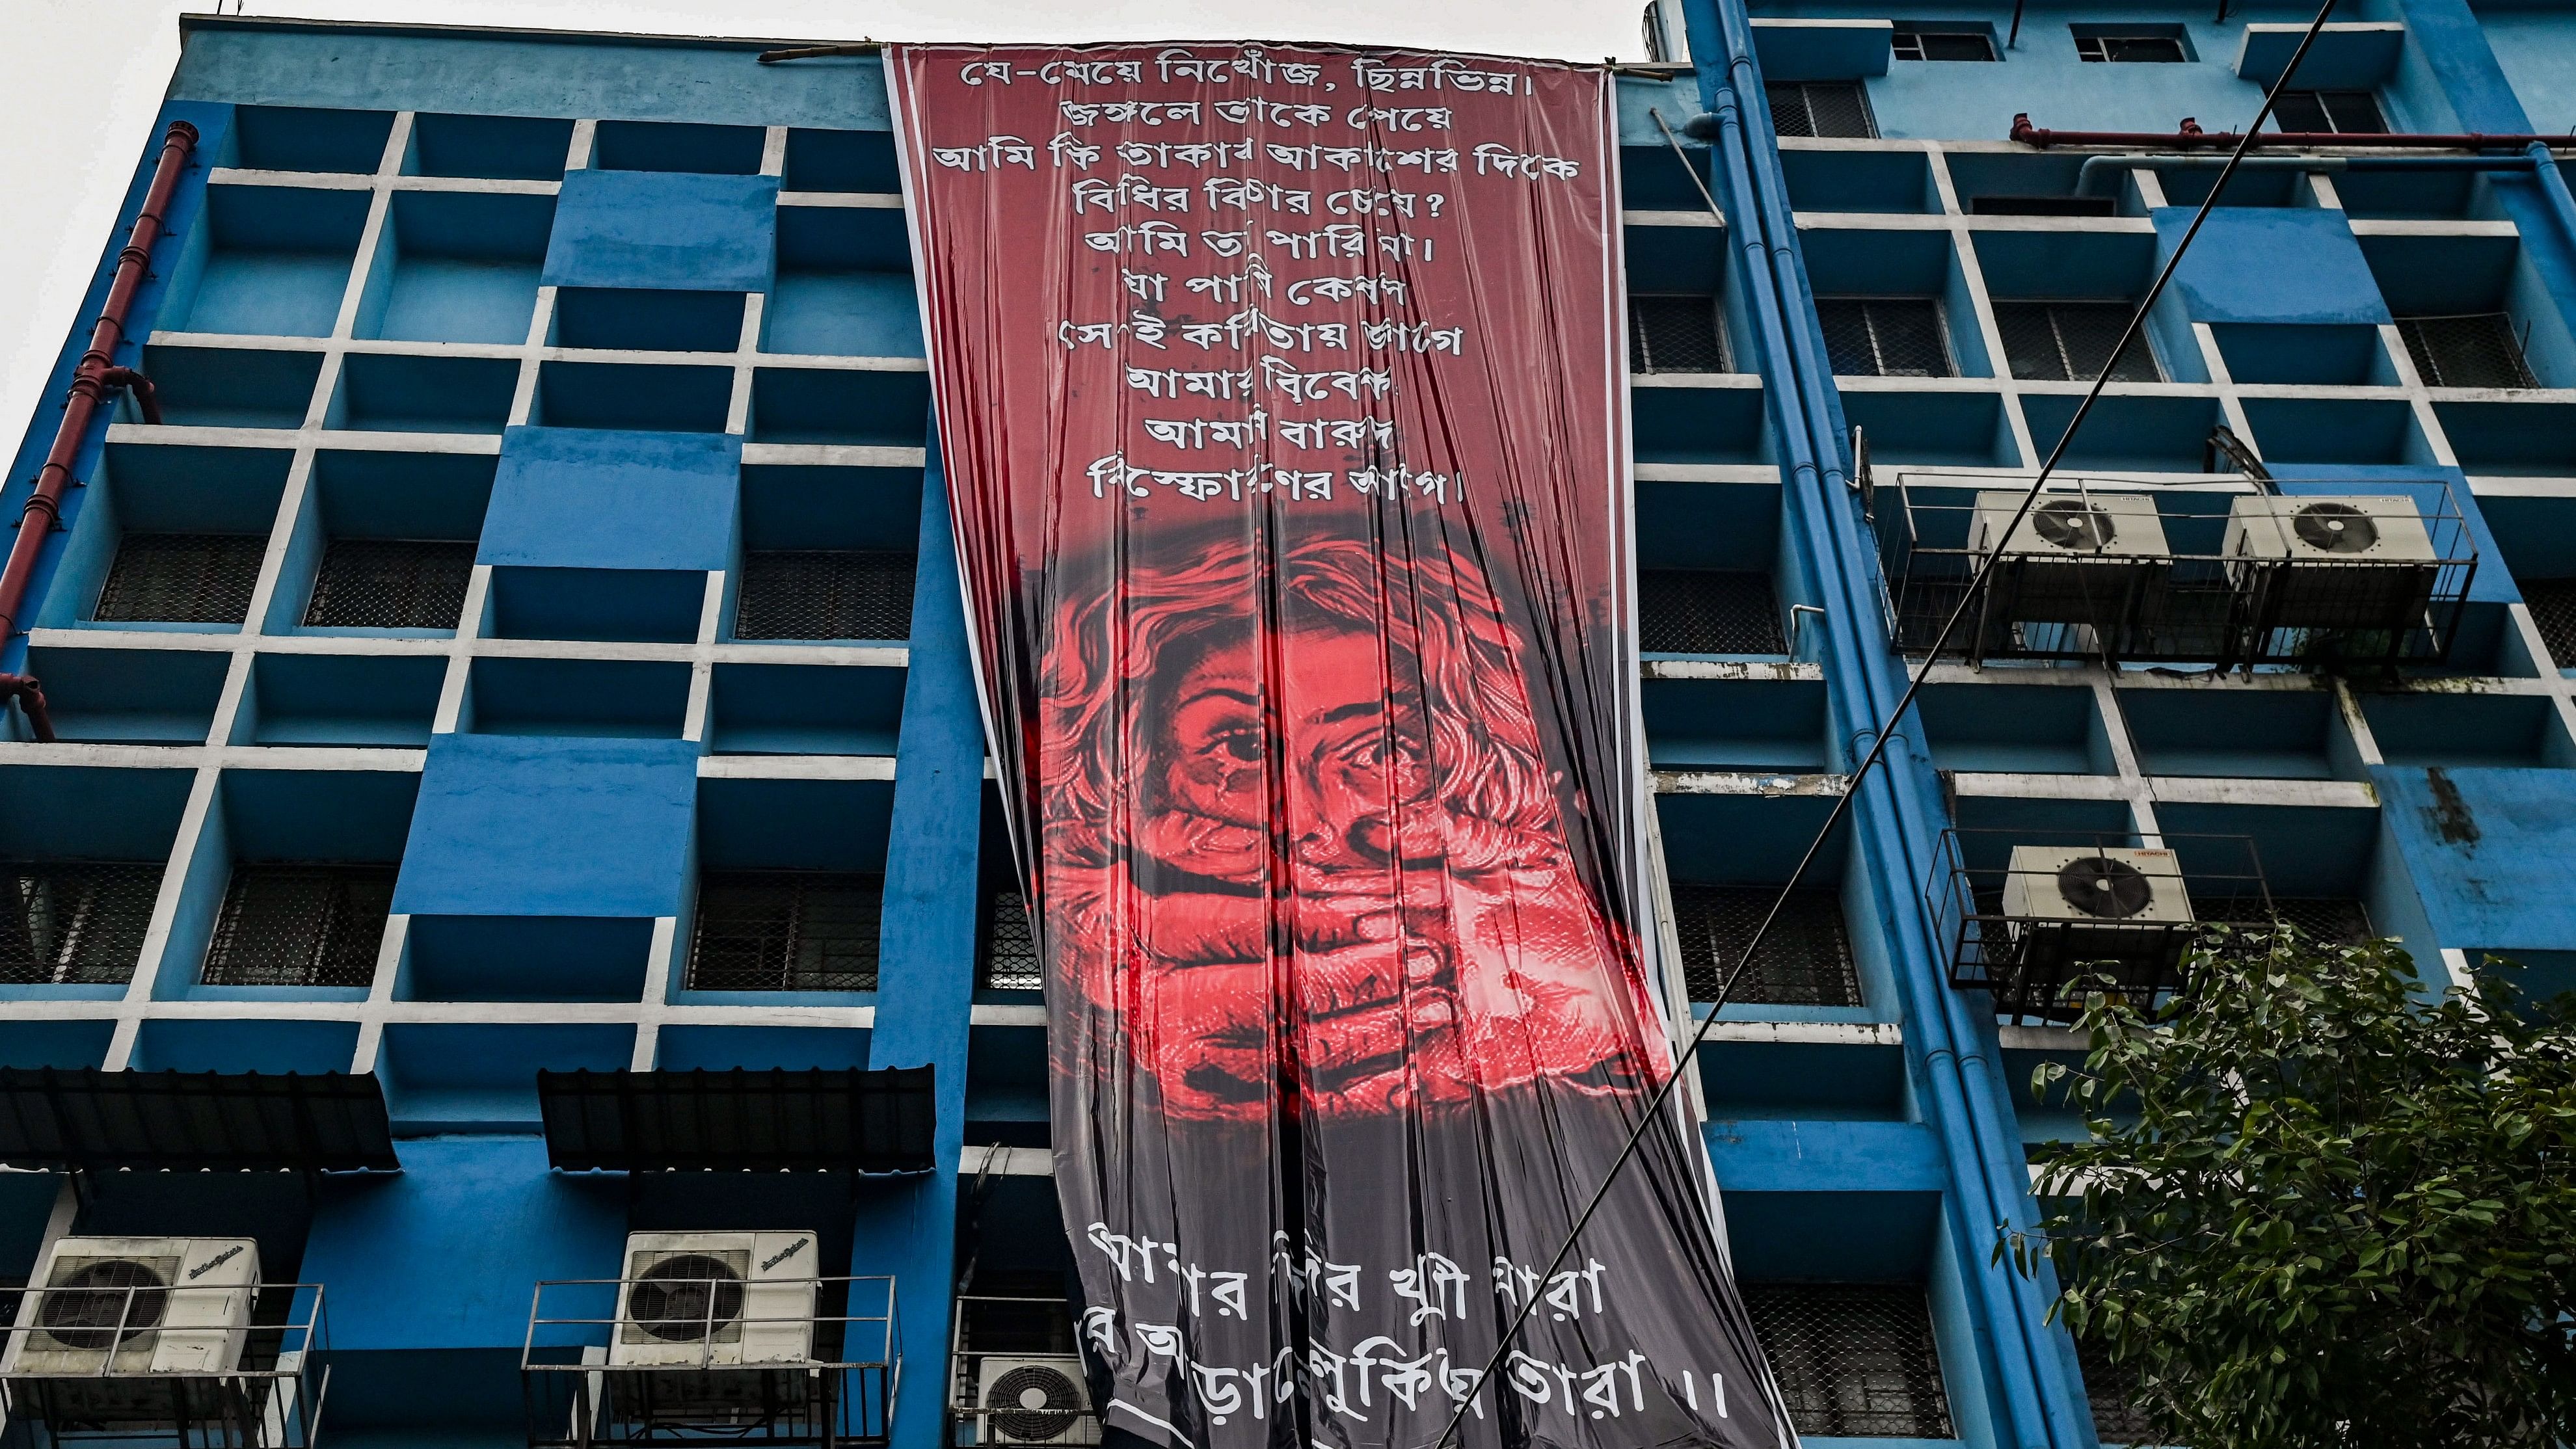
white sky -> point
(80, 81)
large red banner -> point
(1281, 398)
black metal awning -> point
(84, 1119)
(739, 1121)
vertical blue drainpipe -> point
(2042, 1400)
(926, 962)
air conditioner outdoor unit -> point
(1034, 1401)
(2077, 557)
(2363, 562)
(129, 1307)
(2095, 908)
(716, 1300)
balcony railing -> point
(2154, 574)
(2046, 918)
(102, 1383)
(1014, 1376)
(805, 1380)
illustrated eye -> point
(1238, 744)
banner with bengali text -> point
(1280, 393)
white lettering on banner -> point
(1504, 161)
(1345, 240)
(1446, 73)
(1243, 195)
(1308, 290)
(1120, 113)
(1114, 472)
(1255, 272)
(1127, 191)
(996, 151)
(1066, 149)
(1144, 236)
(1362, 158)
(1280, 377)
(1273, 113)
(1195, 155)
(1400, 118)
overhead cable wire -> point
(1886, 732)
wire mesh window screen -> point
(1674, 332)
(1943, 45)
(2113, 1390)
(825, 594)
(2070, 341)
(1010, 961)
(2351, 112)
(1885, 336)
(390, 583)
(182, 578)
(2478, 349)
(786, 930)
(1852, 1358)
(2335, 920)
(1820, 108)
(2129, 49)
(2553, 609)
(300, 925)
(1708, 611)
(74, 922)
(1806, 960)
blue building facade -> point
(528, 641)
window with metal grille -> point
(2113, 1390)
(1806, 960)
(2333, 920)
(1885, 336)
(2476, 349)
(181, 578)
(1010, 959)
(2130, 49)
(842, 593)
(1708, 611)
(74, 922)
(2069, 341)
(300, 925)
(1852, 1358)
(1820, 108)
(1943, 44)
(390, 583)
(1674, 332)
(2553, 609)
(2350, 112)
(786, 930)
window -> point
(786, 930)
(2070, 341)
(2353, 113)
(2043, 206)
(1820, 108)
(1708, 611)
(2475, 350)
(1920, 44)
(74, 922)
(1674, 332)
(2553, 611)
(1852, 1359)
(1010, 958)
(300, 925)
(2133, 49)
(825, 594)
(1885, 336)
(182, 578)
(1806, 959)
(2112, 1388)
(390, 583)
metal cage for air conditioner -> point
(837, 1394)
(1015, 1376)
(2044, 919)
(270, 1397)
(2202, 572)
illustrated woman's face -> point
(1348, 777)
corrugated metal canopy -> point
(739, 1121)
(86, 1119)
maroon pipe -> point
(2192, 137)
(31, 702)
(91, 383)
(145, 397)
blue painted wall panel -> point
(664, 229)
(511, 825)
(480, 1221)
(596, 498)
(1786, 1156)
(2488, 849)
(2270, 264)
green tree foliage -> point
(2316, 1209)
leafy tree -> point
(2316, 1209)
